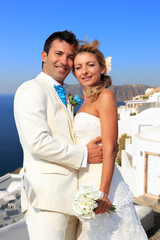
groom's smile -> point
(61, 68)
(59, 61)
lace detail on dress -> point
(124, 223)
(122, 195)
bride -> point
(98, 116)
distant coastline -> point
(122, 92)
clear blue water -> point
(10, 148)
(11, 155)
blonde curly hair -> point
(105, 79)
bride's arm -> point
(107, 109)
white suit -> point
(51, 158)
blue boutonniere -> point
(74, 100)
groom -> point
(51, 156)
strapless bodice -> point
(87, 127)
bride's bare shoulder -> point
(106, 94)
(106, 103)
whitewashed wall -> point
(147, 141)
(141, 122)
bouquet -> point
(85, 202)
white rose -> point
(86, 203)
(90, 191)
(83, 209)
(95, 195)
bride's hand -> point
(104, 205)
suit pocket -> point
(55, 169)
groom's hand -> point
(95, 153)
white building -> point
(141, 157)
(140, 122)
(151, 99)
(12, 222)
(141, 163)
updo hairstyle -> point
(105, 79)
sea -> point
(11, 154)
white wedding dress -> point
(122, 225)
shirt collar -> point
(51, 81)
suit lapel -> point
(62, 106)
(65, 111)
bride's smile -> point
(87, 69)
(86, 78)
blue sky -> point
(129, 31)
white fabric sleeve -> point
(85, 157)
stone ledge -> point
(146, 216)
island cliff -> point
(122, 93)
